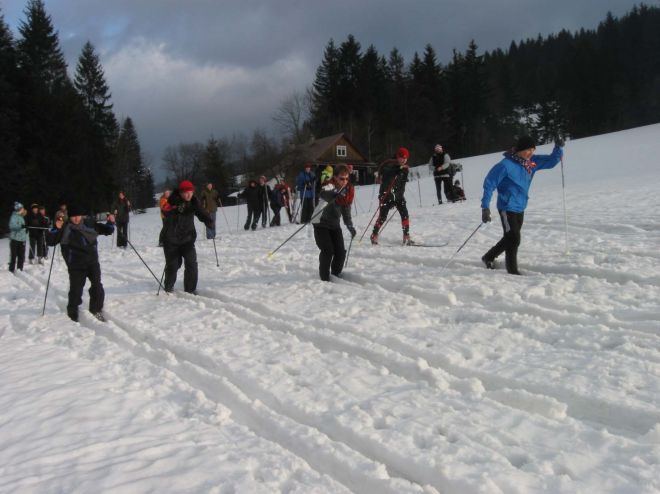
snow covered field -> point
(403, 377)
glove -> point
(559, 141)
(351, 229)
(485, 215)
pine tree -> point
(9, 118)
(131, 176)
(215, 157)
(325, 93)
(40, 56)
(50, 131)
(93, 89)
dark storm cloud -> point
(184, 70)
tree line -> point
(577, 84)
(60, 141)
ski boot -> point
(407, 240)
(99, 316)
(488, 263)
(374, 238)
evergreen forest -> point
(573, 84)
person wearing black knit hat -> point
(78, 237)
(512, 178)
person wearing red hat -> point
(179, 235)
(393, 175)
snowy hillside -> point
(403, 377)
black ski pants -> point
(445, 182)
(77, 279)
(254, 212)
(333, 253)
(175, 255)
(307, 210)
(122, 233)
(37, 245)
(403, 212)
(511, 224)
(276, 215)
(16, 255)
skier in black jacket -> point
(121, 208)
(79, 249)
(37, 224)
(179, 235)
(252, 195)
(393, 175)
(335, 202)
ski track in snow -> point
(398, 358)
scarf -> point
(529, 165)
(87, 232)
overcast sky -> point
(184, 70)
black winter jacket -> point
(252, 195)
(393, 180)
(122, 209)
(179, 223)
(79, 245)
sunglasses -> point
(342, 178)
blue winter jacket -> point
(306, 182)
(17, 229)
(512, 181)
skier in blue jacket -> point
(306, 186)
(512, 178)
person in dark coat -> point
(512, 178)
(336, 197)
(210, 199)
(179, 236)
(306, 187)
(46, 225)
(276, 203)
(78, 237)
(36, 224)
(120, 209)
(251, 194)
(264, 199)
(440, 162)
(393, 175)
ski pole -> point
(217, 263)
(161, 281)
(380, 205)
(299, 208)
(50, 270)
(238, 214)
(461, 247)
(387, 221)
(145, 264)
(563, 193)
(223, 214)
(371, 201)
(270, 254)
(348, 252)
(419, 191)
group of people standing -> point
(325, 209)
(27, 225)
